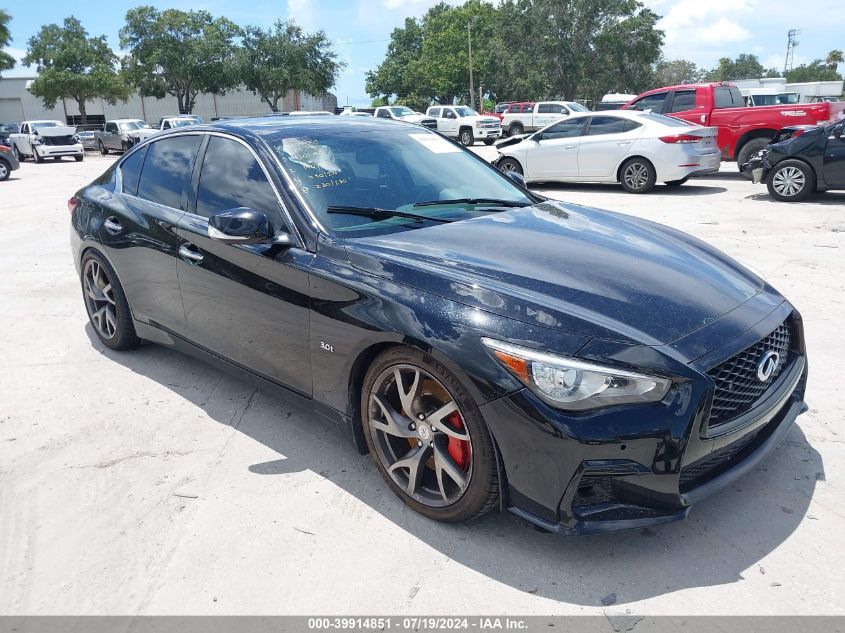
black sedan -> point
(801, 159)
(585, 370)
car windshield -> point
(39, 124)
(577, 107)
(133, 125)
(465, 111)
(389, 169)
(401, 111)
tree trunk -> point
(83, 115)
(180, 100)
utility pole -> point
(471, 84)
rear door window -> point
(130, 170)
(650, 102)
(232, 178)
(607, 125)
(684, 100)
(167, 169)
(728, 97)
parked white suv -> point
(404, 113)
(544, 113)
(46, 139)
(465, 124)
(167, 123)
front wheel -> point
(638, 176)
(16, 153)
(515, 129)
(105, 302)
(103, 149)
(466, 137)
(747, 151)
(35, 156)
(791, 181)
(5, 170)
(510, 164)
(489, 141)
(427, 437)
(78, 158)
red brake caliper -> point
(459, 450)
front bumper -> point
(759, 167)
(634, 466)
(485, 133)
(45, 151)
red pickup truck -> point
(742, 130)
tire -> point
(489, 141)
(791, 181)
(510, 164)
(35, 157)
(516, 128)
(747, 151)
(637, 175)
(434, 493)
(5, 170)
(676, 183)
(114, 326)
(466, 138)
(78, 157)
(101, 146)
(16, 153)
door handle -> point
(188, 252)
(113, 225)
(569, 147)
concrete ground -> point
(147, 482)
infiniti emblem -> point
(767, 365)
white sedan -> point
(637, 149)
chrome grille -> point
(737, 384)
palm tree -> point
(7, 62)
(834, 58)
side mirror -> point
(837, 132)
(537, 136)
(240, 226)
(516, 177)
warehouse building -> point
(18, 104)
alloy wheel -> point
(4, 171)
(507, 166)
(420, 436)
(466, 138)
(636, 175)
(99, 299)
(789, 181)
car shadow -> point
(724, 538)
(828, 197)
(688, 189)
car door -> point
(138, 230)
(448, 122)
(548, 113)
(834, 157)
(246, 303)
(553, 153)
(22, 140)
(607, 140)
(111, 136)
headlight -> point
(37, 140)
(576, 385)
(76, 138)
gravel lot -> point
(147, 482)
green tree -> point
(7, 62)
(817, 70)
(181, 53)
(675, 72)
(746, 66)
(71, 64)
(834, 58)
(283, 58)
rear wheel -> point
(515, 128)
(427, 437)
(747, 151)
(791, 181)
(510, 164)
(5, 170)
(466, 137)
(106, 304)
(101, 146)
(638, 176)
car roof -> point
(271, 126)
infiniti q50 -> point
(489, 348)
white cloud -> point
(302, 11)
(19, 70)
(691, 23)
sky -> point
(699, 30)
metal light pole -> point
(471, 83)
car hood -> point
(580, 270)
(55, 131)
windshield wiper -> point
(491, 201)
(375, 213)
